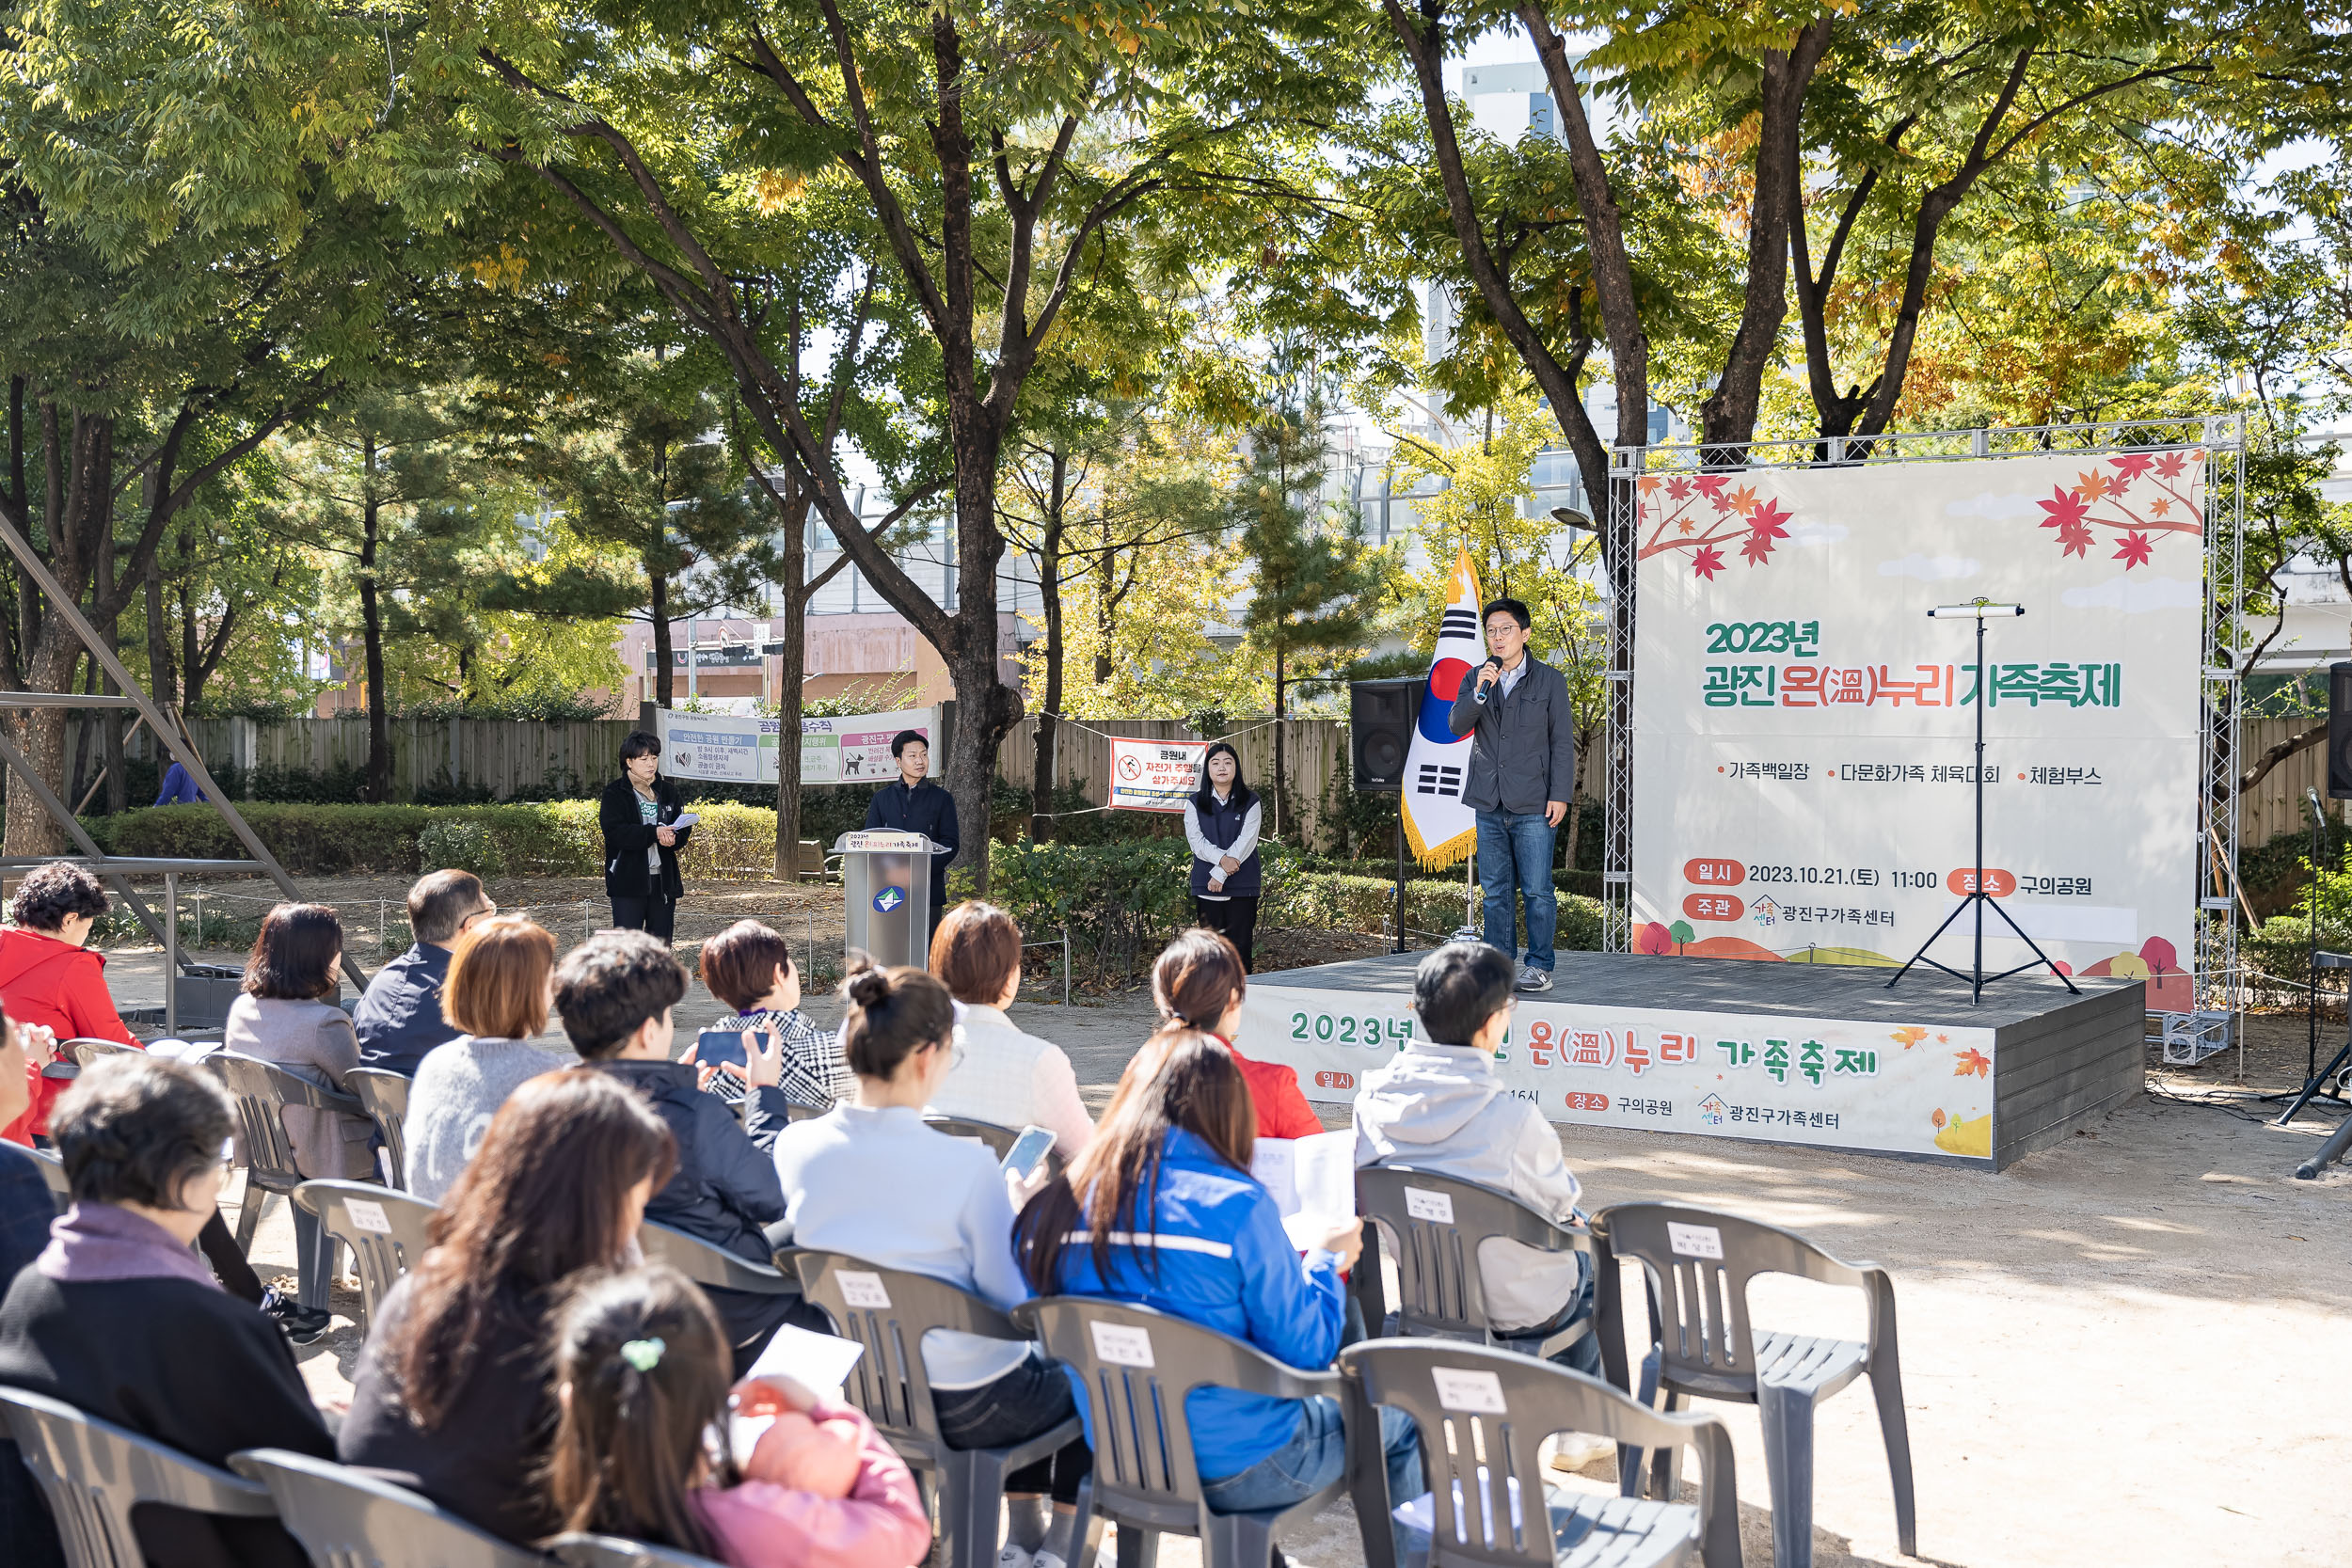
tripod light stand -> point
(1980, 611)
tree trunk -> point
(791, 669)
(379, 776)
(1049, 598)
(657, 600)
(163, 681)
(1281, 753)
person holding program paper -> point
(644, 827)
(1161, 1210)
(1438, 1106)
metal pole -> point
(171, 952)
(1065, 966)
(1975, 996)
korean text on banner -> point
(850, 749)
(1154, 775)
(1802, 730)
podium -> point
(886, 883)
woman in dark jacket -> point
(1221, 825)
(453, 1397)
(641, 844)
(118, 1316)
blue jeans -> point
(1583, 1355)
(1314, 1458)
(1515, 856)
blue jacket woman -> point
(1161, 1210)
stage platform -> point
(1812, 1053)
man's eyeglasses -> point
(484, 912)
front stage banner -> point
(1801, 730)
(1154, 775)
(1911, 1089)
(849, 749)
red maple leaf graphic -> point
(1679, 489)
(2133, 466)
(1971, 1063)
(2075, 537)
(2171, 464)
(1758, 548)
(2064, 506)
(1767, 518)
(1706, 560)
(2134, 551)
(1711, 487)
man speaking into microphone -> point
(1522, 775)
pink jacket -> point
(880, 1524)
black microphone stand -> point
(2315, 1079)
(1977, 897)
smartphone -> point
(717, 1047)
(1027, 1149)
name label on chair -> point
(1122, 1344)
(367, 1214)
(860, 1288)
(1460, 1389)
(1422, 1204)
(1695, 1241)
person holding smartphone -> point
(639, 814)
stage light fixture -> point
(1568, 516)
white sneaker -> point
(1532, 978)
(1048, 1559)
(1018, 1557)
(1576, 1450)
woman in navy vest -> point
(1221, 824)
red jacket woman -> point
(48, 977)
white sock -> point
(1026, 1520)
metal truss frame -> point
(2226, 638)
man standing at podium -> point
(1522, 775)
(914, 804)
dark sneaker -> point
(1532, 978)
(302, 1325)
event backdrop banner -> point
(851, 749)
(1801, 730)
(1154, 775)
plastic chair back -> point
(345, 1520)
(387, 1231)
(1484, 1414)
(94, 1473)
(999, 1139)
(1699, 1263)
(709, 1265)
(1136, 1365)
(385, 1097)
(260, 1090)
(1438, 1222)
(888, 1311)
(612, 1551)
(53, 1172)
(85, 1051)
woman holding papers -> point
(644, 827)
(1161, 1210)
(847, 1176)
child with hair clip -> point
(641, 1371)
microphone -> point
(1479, 696)
(2312, 795)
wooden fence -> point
(1313, 750)
(2277, 805)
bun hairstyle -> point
(1197, 977)
(892, 1014)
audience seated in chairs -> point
(500, 982)
(641, 1368)
(25, 1204)
(1440, 1107)
(452, 1397)
(1007, 1077)
(48, 977)
(1161, 1210)
(847, 1180)
(1199, 983)
(400, 1015)
(749, 967)
(119, 1319)
(287, 1016)
(614, 992)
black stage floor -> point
(1744, 986)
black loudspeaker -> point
(1380, 717)
(2340, 732)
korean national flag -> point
(1441, 830)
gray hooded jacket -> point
(1441, 1108)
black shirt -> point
(929, 810)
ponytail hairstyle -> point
(1181, 1078)
(644, 1371)
(892, 1014)
(1197, 977)
(1204, 799)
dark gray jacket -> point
(1523, 746)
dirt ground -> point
(2124, 1349)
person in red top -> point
(1199, 981)
(48, 977)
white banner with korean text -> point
(1802, 730)
(1154, 775)
(850, 749)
